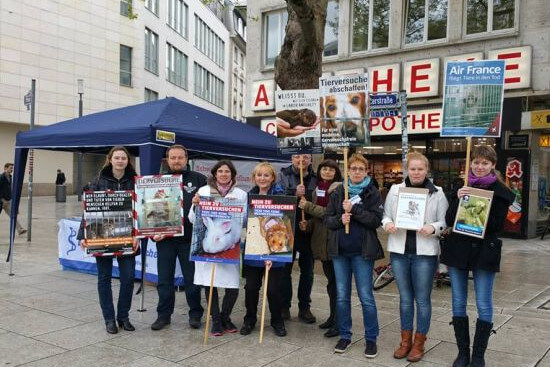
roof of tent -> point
(198, 129)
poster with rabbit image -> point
(158, 205)
(411, 208)
(270, 229)
(217, 230)
(108, 222)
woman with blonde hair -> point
(413, 256)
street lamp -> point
(80, 83)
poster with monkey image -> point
(472, 98)
(270, 229)
(344, 118)
(298, 123)
(108, 222)
(218, 230)
(158, 205)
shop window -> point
(370, 33)
(274, 34)
(331, 29)
(490, 15)
(425, 20)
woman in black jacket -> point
(355, 253)
(117, 174)
(481, 256)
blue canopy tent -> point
(137, 127)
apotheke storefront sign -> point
(420, 78)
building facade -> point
(404, 45)
(125, 52)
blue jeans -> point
(483, 286)
(414, 277)
(344, 267)
(126, 268)
(167, 253)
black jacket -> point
(468, 253)
(60, 178)
(192, 181)
(368, 214)
(5, 187)
(106, 181)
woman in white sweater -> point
(414, 257)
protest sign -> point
(217, 230)
(159, 205)
(473, 213)
(297, 116)
(270, 229)
(411, 208)
(472, 98)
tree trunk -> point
(299, 64)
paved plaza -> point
(51, 317)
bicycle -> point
(382, 276)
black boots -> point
(481, 339)
(462, 335)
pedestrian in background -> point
(60, 178)
(5, 194)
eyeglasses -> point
(357, 169)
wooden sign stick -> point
(207, 326)
(264, 301)
(467, 168)
(301, 183)
(346, 191)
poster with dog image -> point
(344, 118)
(298, 122)
(158, 205)
(218, 230)
(108, 222)
(472, 98)
(270, 229)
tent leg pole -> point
(12, 248)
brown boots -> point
(413, 351)
(417, 351)
(405, 346)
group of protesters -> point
(338, 229)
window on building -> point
(151, 51)
(177, 15)
(208, 86)
(371, 24)
(331, 29)
(208, 42)
(274, 34)
(150, 95)
(152, 6)
(176, 66)
(125, 66)
(426, 20)
(125, 7)
(490, 15)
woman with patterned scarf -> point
(354, 253)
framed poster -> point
(270, 229)
(344, 115)
(472, 98)
(158, 206)
(411, 208)
(108, 222)
(473, 213)
(217, 230)
(298, 121)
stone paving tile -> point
(312, 357)
(10, 308)
(529, 327)
(16, 349)
(98, 355)
(14, 292)
(27, 280)
(67, 286)
(242, 351)
(519, 344)
(173, 343)
(81, 335)
(34, 322)
(88, 313)
(150, 362)
(445, 353)
(52, 302)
